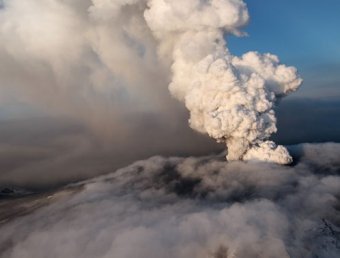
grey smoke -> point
(190, 207)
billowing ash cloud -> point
(100, 60)
(230, 98)
(187, 207)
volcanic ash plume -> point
(92, 59)
(229, 98)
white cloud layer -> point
(190, 207)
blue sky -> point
(303, 33)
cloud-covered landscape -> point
(189, 207)
(146, 128)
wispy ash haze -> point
(93, 78)
(106, 66)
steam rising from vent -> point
(229, 98)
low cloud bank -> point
(42, 153)
(192, 207)
(45, 152)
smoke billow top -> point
(73, 53)
(229, 98)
